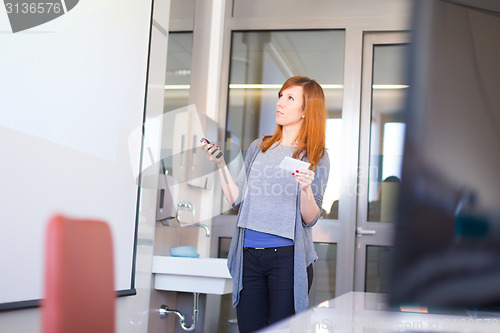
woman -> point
(272, 250)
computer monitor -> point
(447, 239)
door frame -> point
(382, 231)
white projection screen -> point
(72, 90)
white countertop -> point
(359, 312)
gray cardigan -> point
(304, 253)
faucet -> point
(207, 231)
(186, 205)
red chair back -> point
(79, 277)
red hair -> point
(310, 141)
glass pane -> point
(387, 130)
(176, 94)
(325, 272)
(178, 76)
(224, 244)
(378, 261)
(227, 315)
(260, 63)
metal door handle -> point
(363, 232)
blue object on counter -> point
(184, 251)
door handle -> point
(364, 232)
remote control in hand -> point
(208, 142)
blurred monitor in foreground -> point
(448, 231)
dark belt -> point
(267, 248)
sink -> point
(194, 275)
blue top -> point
(261, 239)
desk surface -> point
(359, 312)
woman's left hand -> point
(304, 177)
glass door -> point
(382, 128)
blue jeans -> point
(267, 294)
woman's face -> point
(289, 106)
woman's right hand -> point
(213, 152)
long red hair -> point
(310, 141)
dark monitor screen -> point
(447, 239)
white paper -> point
(292, 164)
